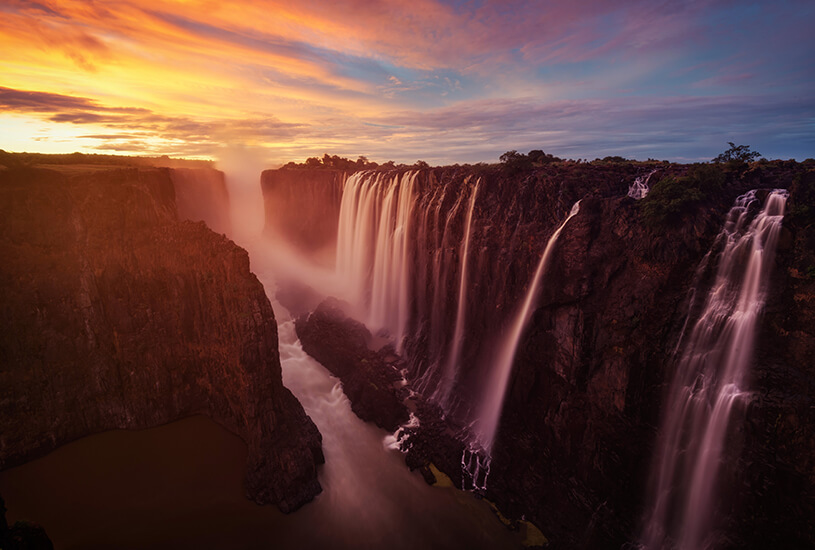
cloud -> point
(633, 127)
(21, 100)
(200, 135)
(393, 78)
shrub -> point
(672, 197)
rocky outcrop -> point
(370, 378)
(117, 315)
(303, 206)
(23, 535)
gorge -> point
(527, 333)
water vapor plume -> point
(242, 166)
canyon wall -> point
(201, 195)
(303, 205)
(583, 403)
(776, 472)
(118, 315)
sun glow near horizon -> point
(441, 81)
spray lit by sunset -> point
(442, 81)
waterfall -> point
(401, 247)
(486, 424)
(451, 366)
(373, 248)
(639, 189)
(406, 252)
(711, 380)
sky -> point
(442, 81)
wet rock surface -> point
(776, 501)
(370, 378)
(117, 315)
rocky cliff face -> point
(303, 205)
(583, 404)
(117, 315)
(776, 505)
(577, 428)
(201, 195)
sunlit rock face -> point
(118, 315)
(585, 394)
(201, 195)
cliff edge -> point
(117, 315)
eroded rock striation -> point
(115, 314)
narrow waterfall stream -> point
(711, 383)
(640, 188)
(476, 458)
(452, 364)
(490, 412)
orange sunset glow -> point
(445, 81)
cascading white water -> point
(486, 423)
(444, 238)
(451, 366)
(639, 189)
(711, 380)
(396, 258)
(372, 248)
(404, 249)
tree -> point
(539, 157)
(514, 162)
(738, 153)
(511, 156)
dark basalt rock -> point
(775, 503)
(369, 378)
(23, 535)
(117, 315)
